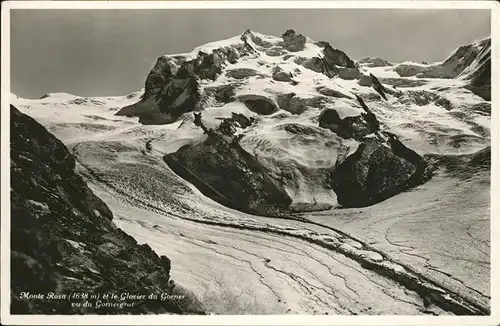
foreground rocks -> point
(63, 239)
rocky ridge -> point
(63, 239)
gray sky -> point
(110, 52)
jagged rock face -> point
(373, 173)
(322, 66)
(293, 41)
(249, 36)
(177, 96)
(223, 93)
(422, 98)
(479, 73)
(480, 83)
(222, 170)
(337, 57)
(180, 84)
(280, 75)
(452, 67)
(294, 104)
(331, 92)
(63, 239)
(380, 167)
(349, 127)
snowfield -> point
(425, 251)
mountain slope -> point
(471, 63)
(419, 243)
(64, 240)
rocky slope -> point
(63, 239)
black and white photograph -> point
(204, 160)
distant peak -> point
(289, 32)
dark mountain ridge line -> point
(433, 291)
(63, 239)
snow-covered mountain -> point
(268, 137)
(471, 63)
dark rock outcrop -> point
(326, 91)
(374, 62)
(333, 63)
(336, 56)
(63, 239)
(374, 173)
(280, 75)
(423, 97)
(170, 97)
(349, 73)
(480, 77)
(349, 127)
(259, 104)
(228, 125)
(169, 94)
(222, 170)
(355, 127)
(321, 65)
(222, 93)
(293, 41)
(380, 168)
(365, 80)
(457, 64)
